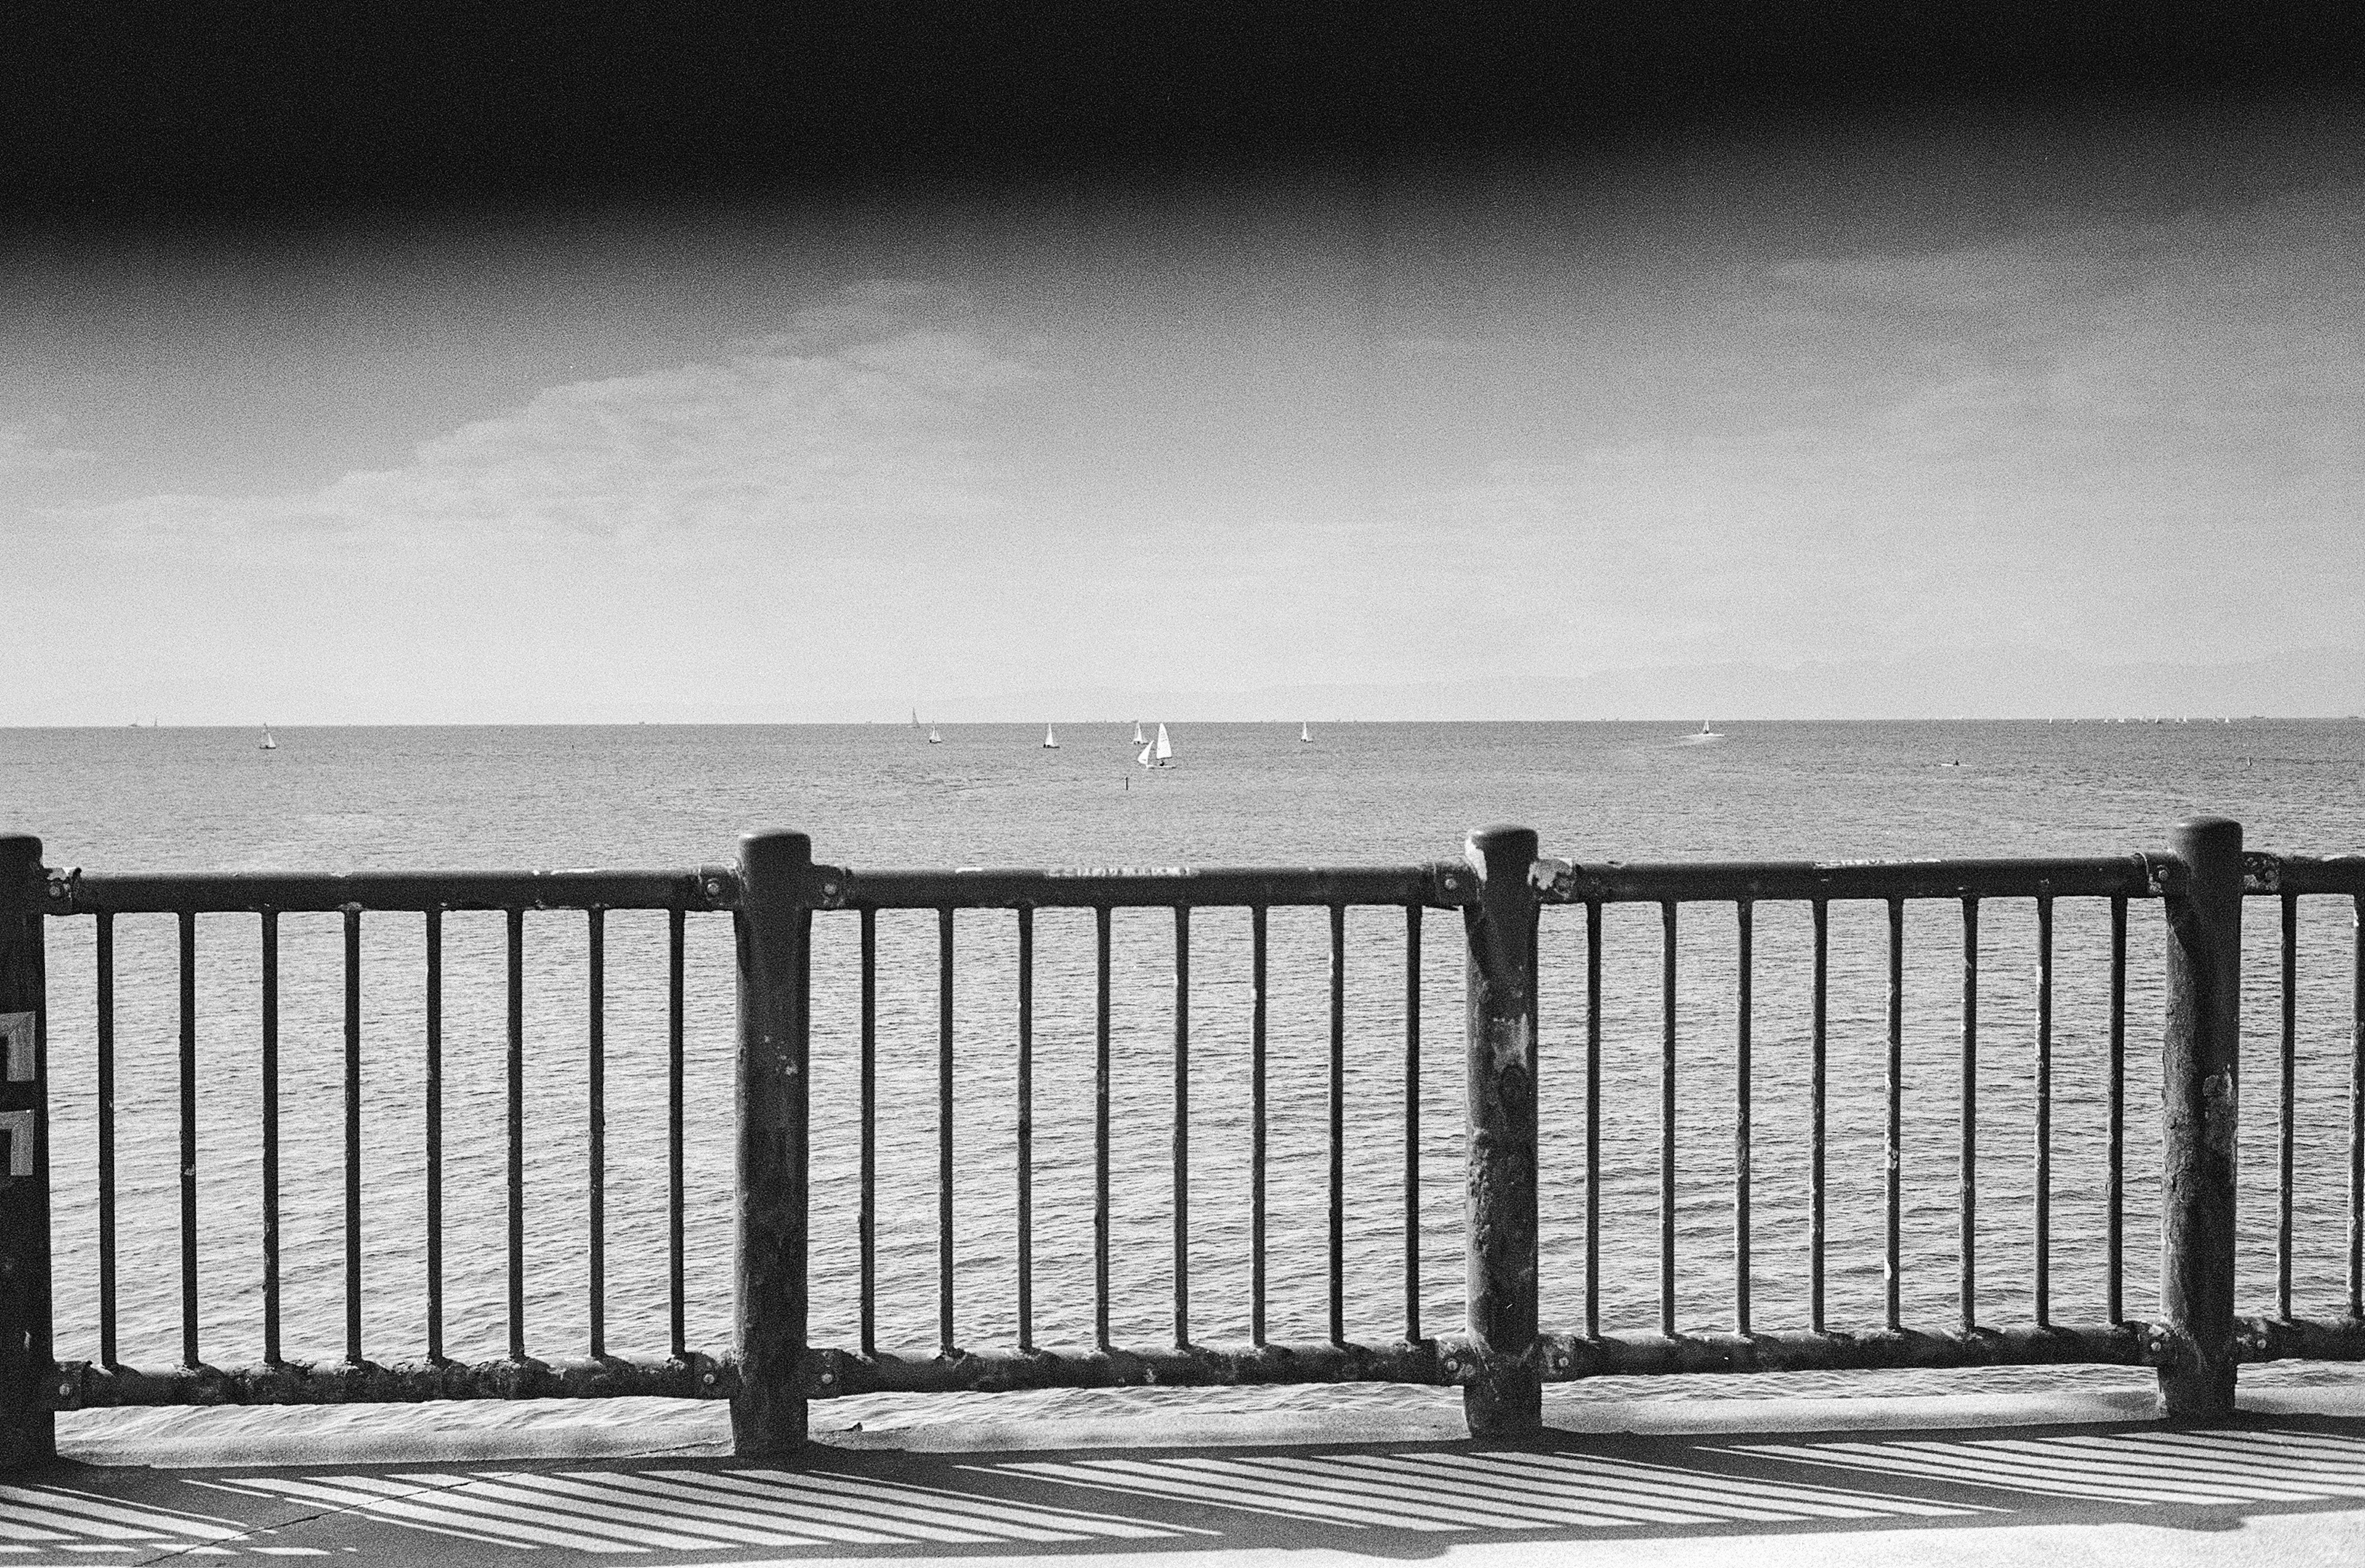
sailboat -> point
(1139, 738)
(916, 718)
(1050, 741)
(268, 743)
(1304, 736)
(1162, 750)
(934, 738)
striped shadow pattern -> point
(1441, 1493)
(694, 1510)
(35, 1517)
(2142, 1468)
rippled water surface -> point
(1242, 794)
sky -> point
(2041, 402)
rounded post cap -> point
(2207, 835)
(1503, 850)
(773, 850)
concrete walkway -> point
(1823, 1481)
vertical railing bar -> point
(1181, 1125)
(596, 1070)
(1818, 1049)
(2290, 1107)
(2357, 1107)
(677, 1305)
(434, 1116)
(2115, 1218)
(354, 1137)
(1338, 1123)
(1667, 1120)
(105, 962)
(1101, 918)
(1592, 1118)
(1256, 1122)
(1740, 1123)
(1968, 1158)
(270, 1136)
(1025, 1173)
(868, 1221)
(1893, 1133)
(2044, 1111)
(1412, 1124)
(188, 923)
(945, 1338)
(516, 946)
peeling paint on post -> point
(775, 930)
(28, 1427)
(2199, 1101)
(1504, 1396)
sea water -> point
(1361, 793)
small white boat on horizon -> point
(1139, 738)
(1050, 741)
(268, 742)
(1157, 753)
(1304, 736)
(1709, 736)
(934, 738)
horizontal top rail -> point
(1443, 884)
(2304, 874)
(1678, 881)
(292, 892)
(1440, 885)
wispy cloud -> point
(23, 453)
(776, 440)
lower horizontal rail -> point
(80, 1385)
(831, 1373)
(2301, 1340)
(1568, 1356)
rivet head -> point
(708, 1379)
(714, 887)
(828, 1377)
(830, 887)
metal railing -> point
(1504, 1353)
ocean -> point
(1359, 793)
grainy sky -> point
(2026, 389)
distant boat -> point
(1304, 736)
(916, 718)
(1708, 735)
(1050, 741)
(1139, 738)
(934, 738)
(1157, 753)
(268, 743)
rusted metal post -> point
(1505, 1396)
(775, 929)
(2199, 1099)
(27, 1428)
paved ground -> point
(2285, 1487)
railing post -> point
(1505, 1396)
(27, 1428)
(775, 928)
(2199, 1101)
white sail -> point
(1165, 746)
(1304, 736)
(1050, 741)
(1139, 738)
(1144, 758)
(934, 738)
(268, 743)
